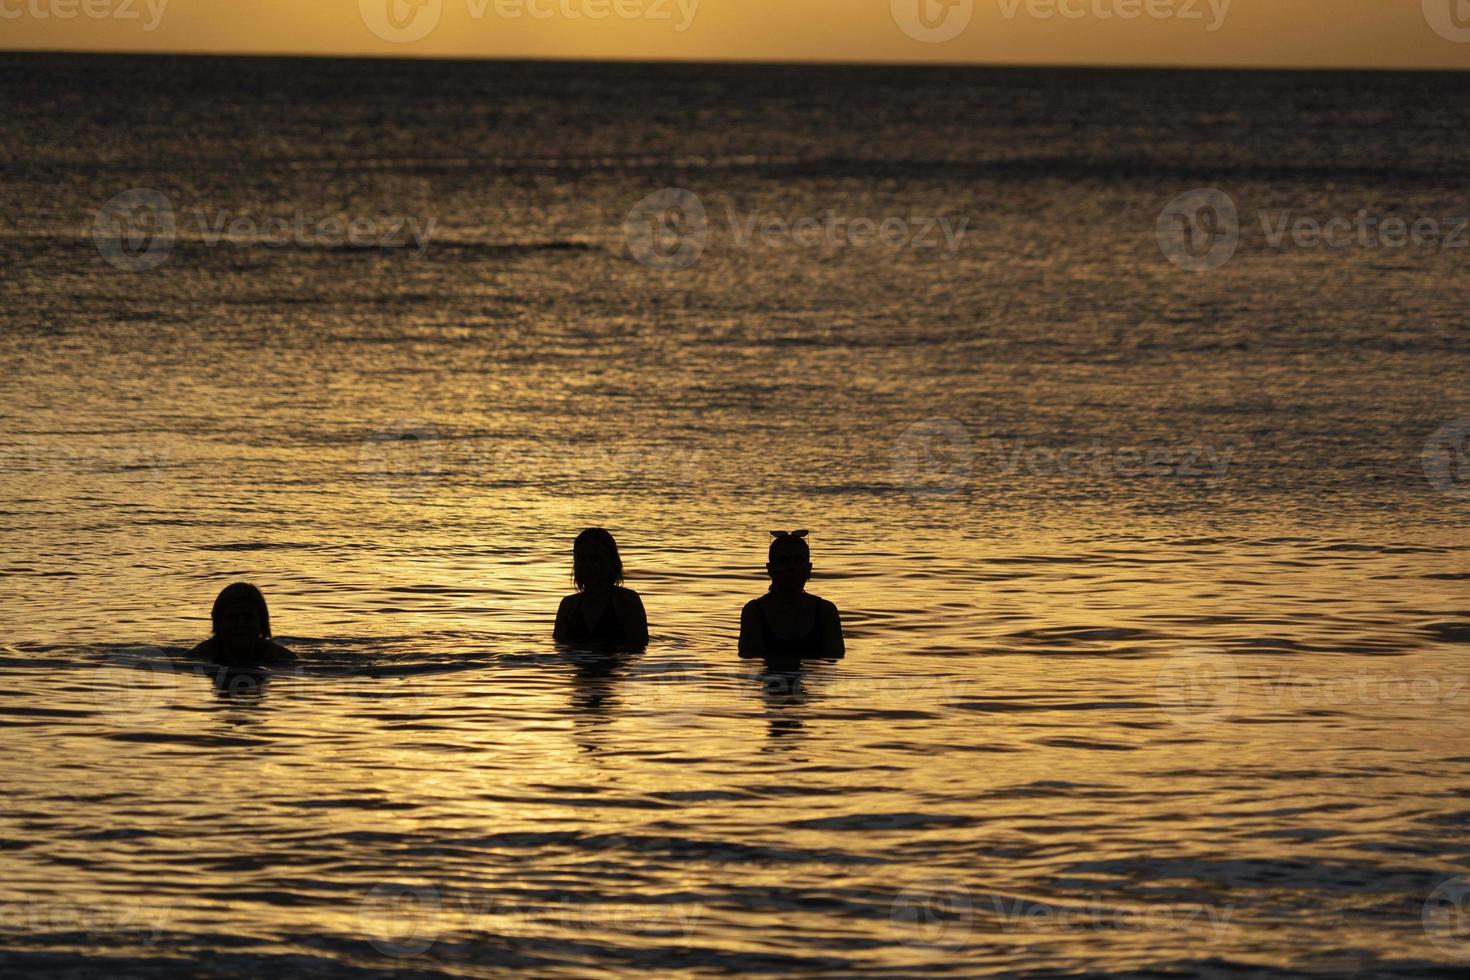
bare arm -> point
(563, 619)
(752, 640)
(637, 620)
(832, 642)
(564, 614)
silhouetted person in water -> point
(788, 623)
(601, 611)
(242, 630)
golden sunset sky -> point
(1304, 33)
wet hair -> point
(588, 538)
(792, 543)
(235, 594)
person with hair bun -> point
(601, 612)
(788, 623)
(242, 630)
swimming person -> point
(242, 630)
(788, 623)
(601, 611)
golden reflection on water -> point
(1102, 777)
(1067, 698)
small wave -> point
(1086, 743)
(886, 821)
(1045, 789)
(1083, 634)
(1449, 632)
(197, 741)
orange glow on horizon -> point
(1247, 33)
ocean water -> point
(1153, 577)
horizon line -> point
(731, 62)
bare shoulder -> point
(628, 602)
(277, 652)
(205, 649)
(826, 606)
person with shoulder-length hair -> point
(788, 623)
(601, 611)
(242, 629)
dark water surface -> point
(1157, 620)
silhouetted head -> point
(595, 560)
(240, 614)
(789, 560)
